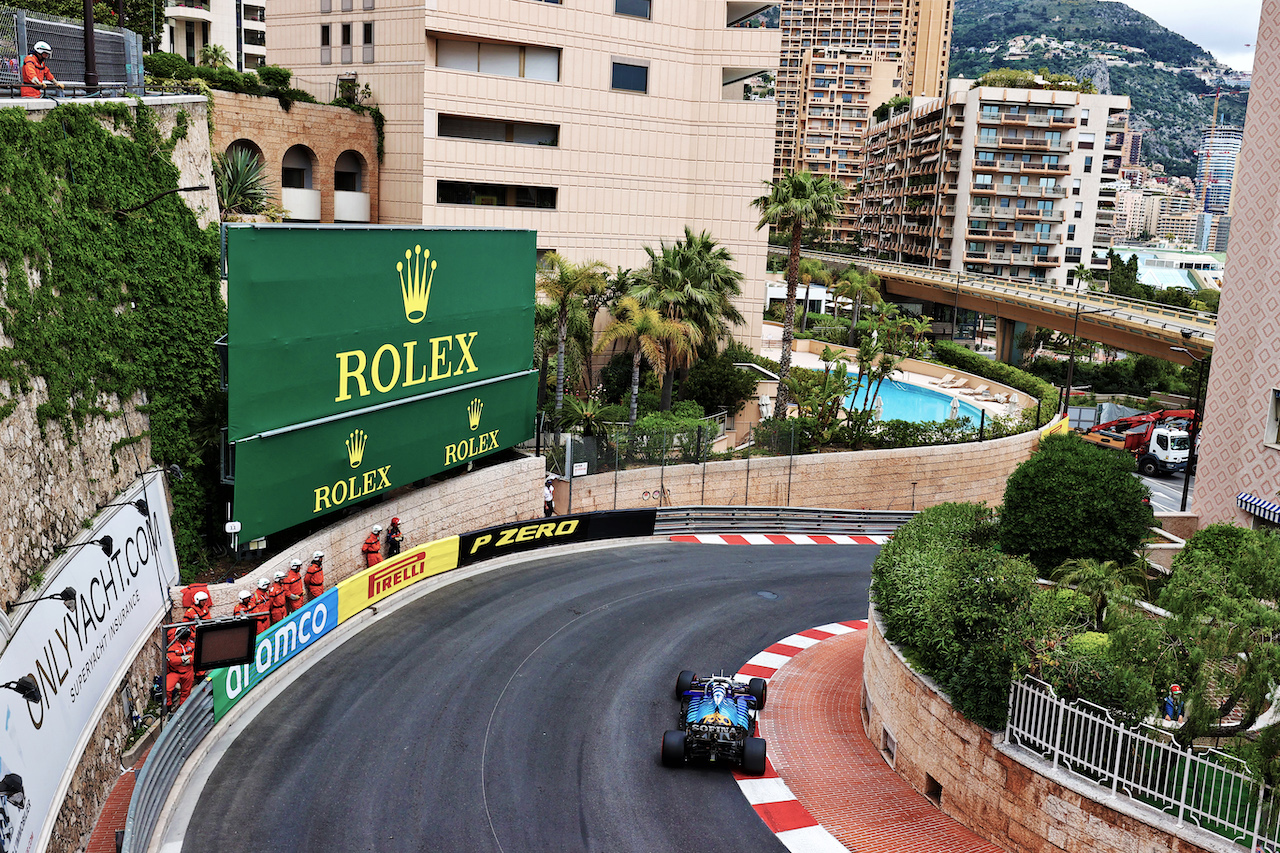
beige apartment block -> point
(1239, 470)
(240, 27)
(604, 125)
(840, 60)
(1014, 183)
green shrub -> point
(714, 383)
(275, 76)
(784, 437)
(1218, 542)
(168, 66)
(1074, 500)
(960, 606)
(665, 437)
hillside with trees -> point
(1169, 79)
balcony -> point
(350, 206)
(1062, 121)
(301, 205)
(189, 10)
(1046, 168)
(983, 189)
(1046, 260)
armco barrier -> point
(185, 730)
(196, 718)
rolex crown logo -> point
(415, 282)
(473, 413)
(355, 447)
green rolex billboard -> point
(364, 358)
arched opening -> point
(297, 167)
(348, 172)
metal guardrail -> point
(1206, 788)
(1041, 297)
(778, 519)
(194, 719)
(176, 743)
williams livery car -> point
(717, 722)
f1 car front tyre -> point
(753, 755)
(758, 688)
(684, 682)
(673, 749)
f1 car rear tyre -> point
(673, 748)
(753, 755)
(758, 688)
(683, 682)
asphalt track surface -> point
(523, 709)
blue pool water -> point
(912, 403)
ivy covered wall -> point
(103, 311)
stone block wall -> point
(326, 130)
(1008, 801)
(867, 479)
(510, 491)
(99, 766)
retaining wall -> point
(997, 794)
(867, 479)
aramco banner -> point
(365, 358)
(78, 656)
(275, 646)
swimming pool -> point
(912, 403)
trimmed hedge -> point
(954, 355)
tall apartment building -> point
(1216, 167)
(238, 25)
(603, 125)
(840, 60)
(1017, 183)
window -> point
(504, 60)
(630, 78)
(1055, 112)
(1048, 183)
(1088, 164)
(634, 8)
(461, 192)
(989, 156)
(1045, 204)
(1086, 140)
(1075, 186)
(346, 35)
(1073, 254)
(1273, 428)
(1039, 249)
(326, 52)
(1071, 232)
(1084, 117)
(324, 35)
(982, 180)
(987, 136)
(491, 130)
(366, 41)
(191, 42)
(1054, 137)
(1079, 211)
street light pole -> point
(1197, 412)
(1071, 363)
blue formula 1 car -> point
(717, 722)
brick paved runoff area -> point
(817, 745)
(114, 812)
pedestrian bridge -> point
(1132, 325)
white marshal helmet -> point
(377, 528)
(245, 595)
(279, 575)
(318, 555)
(201, 596)
(42, 48)
(293, 564)
(263, 583)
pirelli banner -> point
(365, 358)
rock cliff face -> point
(1170, 80)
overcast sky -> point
(1222, 27)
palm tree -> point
(565, 283)
(810, 271)
(796, 201)
(859, 287)
(1100, 580)
(690, 283)
(215, 56)
(652, 335)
